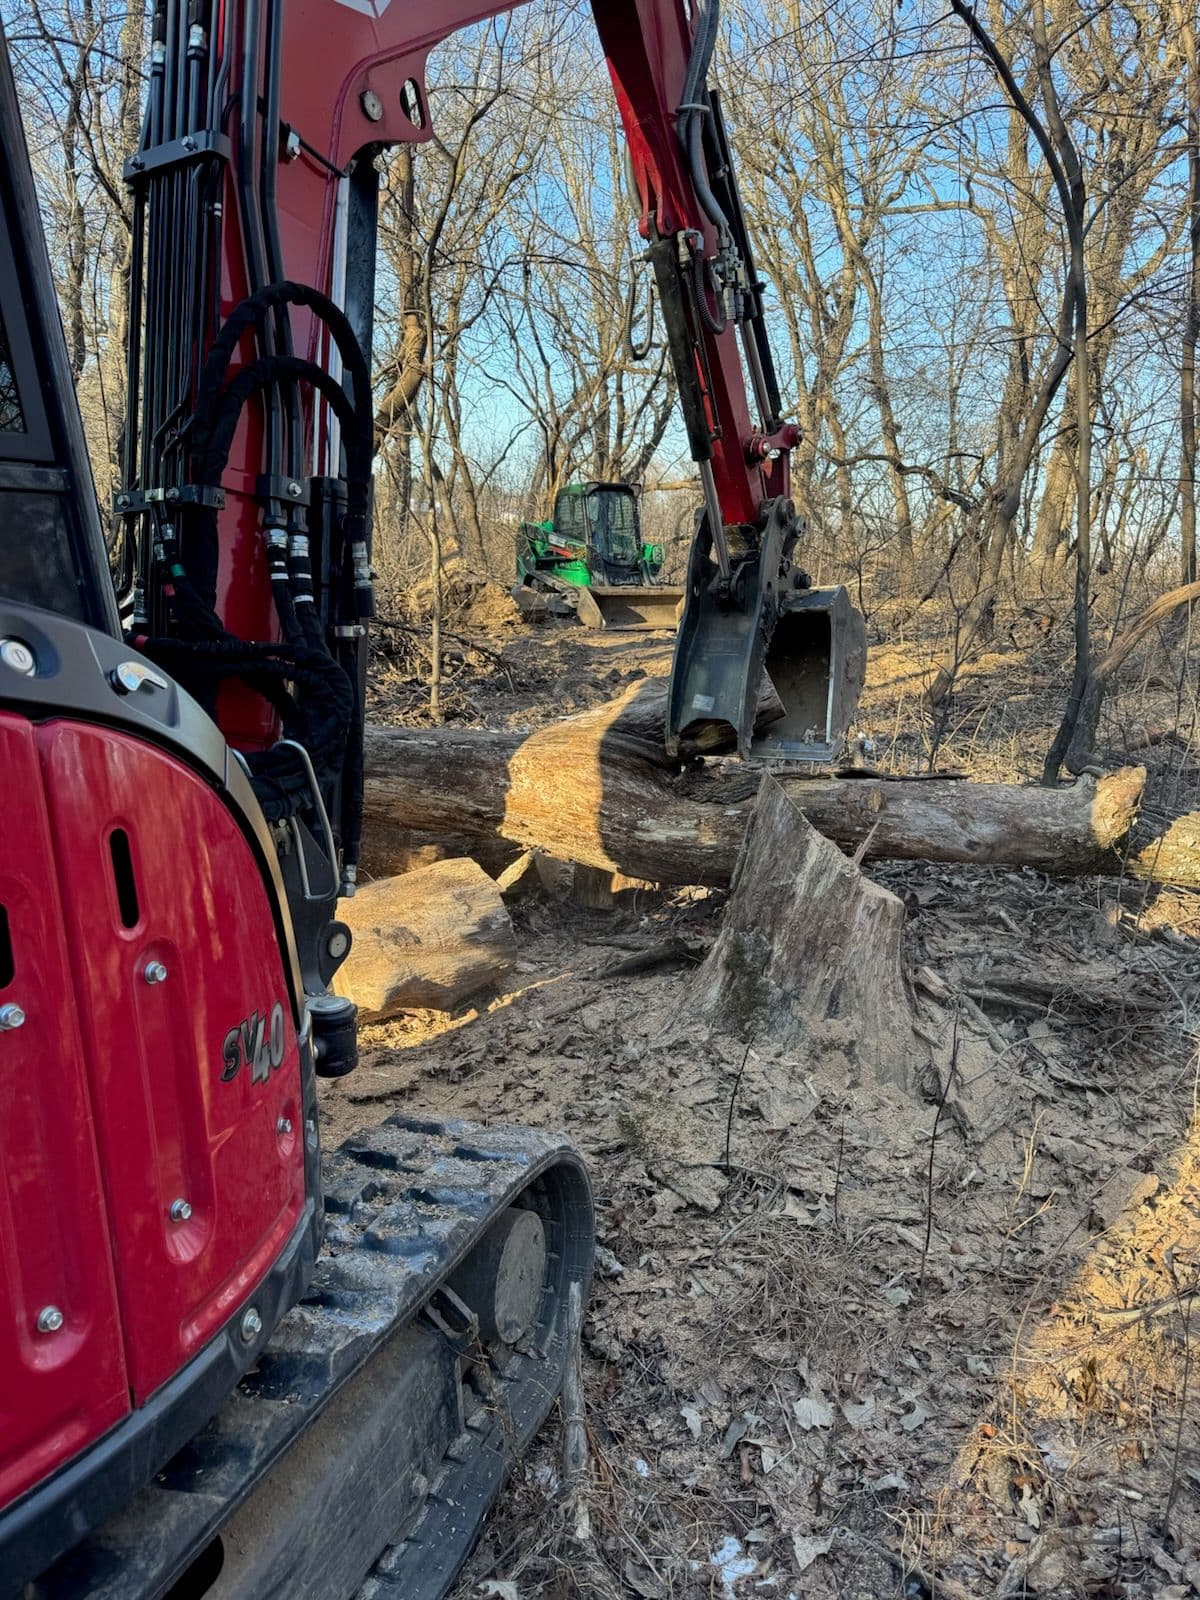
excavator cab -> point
(52, 552)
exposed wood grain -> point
(427, 940)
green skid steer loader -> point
(590, 560)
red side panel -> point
(196, 1077)
(58, 1390)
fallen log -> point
(425, 941)
(598, 789)
(809, 949)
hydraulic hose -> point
(693, 109)
(254, 309)
(251, 221)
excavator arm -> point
(263, 122)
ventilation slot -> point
(7, 965)
(127, 895)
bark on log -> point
(597, 789)
(426, 941)
(809, 950)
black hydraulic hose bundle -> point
(692, 111)
(692, 114)
(357, 426)
(328, 685)
(181, 416)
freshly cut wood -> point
(809, 949)
(1166, 850)
(598, 789)
(426, 940)
(521, 877)
(592, 888)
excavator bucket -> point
(817, 662)
(631, 607)
(811, 644)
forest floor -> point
(846, 1341)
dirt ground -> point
(846, 1339)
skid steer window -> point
(569, 524)
(613, 526)
(12, 418)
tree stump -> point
(425, 941)
(809, 949)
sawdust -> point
(847, 1341)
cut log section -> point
(597, 789)
(425, 941)
(809, 949)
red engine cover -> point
(191, 1095)
(59, 1389)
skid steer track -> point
(360, 1455)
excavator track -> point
(361, 1453)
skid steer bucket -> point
(631, 606)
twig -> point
(1123, 1316)
(581, 1553)
(1183, 1397)
(737, 1083)
(759, 1210)
(575, 1446)
(953, 1068)
(648, 959)
(856, 860)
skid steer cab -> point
(590, 559)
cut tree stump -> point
(425, 941)
(809, 950)
(598, 789)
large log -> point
(809, 950)
(426, 941)
(597, 789)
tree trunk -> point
(1191, 319)
(809, 950)
(1058, 496)
(425, 941)
(1080, 753)
(597, 789)
(882, 393)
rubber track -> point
(405, 1201)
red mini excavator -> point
(227, 1367)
